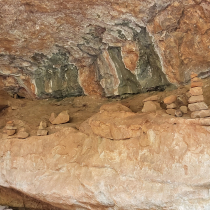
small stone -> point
(10, 127)
(22, 135)
(197, 106)
(196, 91)
(11, 132)
(14, 107)
(151, 98)
(200, 114)
(63, 117)
(57, 103)
(188, 94)
(52, 117)
(182, 100)
(178, 113)
(196, 84)
(193, 75)
(42, 132)
(10, 122)
(170, 99)
(150, 106)
(114, 107)
(195, 99)
(171, 106)
(196, 79)
(183, 109)
(42, 125)
(171, 111)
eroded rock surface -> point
(118, 160)
(62, 48)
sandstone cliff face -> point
(118, 160)
(67, 48)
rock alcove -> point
(98, 61)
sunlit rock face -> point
(68, 48)
(117, 160)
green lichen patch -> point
(56, 77)
(128, 81)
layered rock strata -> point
(118, 160)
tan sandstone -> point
(150, 106)
(200, 114)
(197, 106)
(196, 91)
(170, 99)
(94, 170)
(195, 99)
(184, 109)
(171, 106)
(171, 111)
(63, 117)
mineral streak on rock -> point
(55, 49)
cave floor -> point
(29, 113)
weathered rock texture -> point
(64, 48)
(118, 160)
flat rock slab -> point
(196, 91)
(196, 84)
(170, 99)
(197, 106)
(194, 99)
(200, 114)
